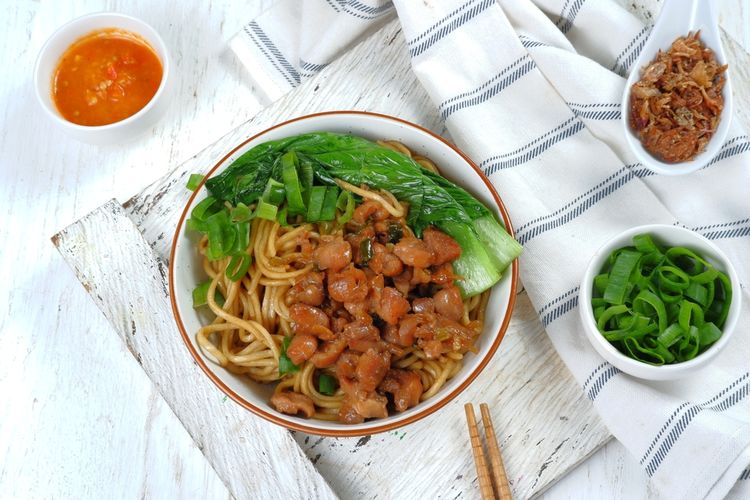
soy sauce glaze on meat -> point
(377, 293)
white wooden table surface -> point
(79, 417)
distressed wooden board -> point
(546, 425)
(252, 458)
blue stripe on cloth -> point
(310, 69)
(682, 424)
(581, 204)
(621, 68)
(566, 22)
(336, 4)
(599, 111)
(727, 152)
(560, 310)
(626, 65)
(513, 159)
(679, 410)
(738, 232)
(529, 42)
(488, 89)
(272, 53)
(722, 225)
(745, 475)
(558, 299)
(598, 385)
(447, 25)
(594, 372)
(366, 12)
(360, 10)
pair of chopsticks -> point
(496, 469)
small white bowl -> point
(669, 236)
(186, 270)
(62, 39)
(677, 18)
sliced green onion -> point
(221, 235)
(206, 208)
(660, 305)
(306, 174)
(281, 217)
(292, 186)
(238, 266)
(395, 232)
(285, 364)
(708, 333)
(619, 276)
(200, 295)
(274, 192)
(315, 204)
(194, 181)
(265, 210)
(644, 243)
(328, 210)
(241, 213)
(345, 205)
(365, 251)
(327, 384)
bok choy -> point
(308, 166)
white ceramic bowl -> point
(58, 43)
(185, 271)
(669, 236)
(677, 18)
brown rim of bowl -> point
(378, 428)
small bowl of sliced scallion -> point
(659, 301)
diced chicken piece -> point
(348, 285)
(384, 262)
(405, 386)
(423, 305)
(310, 320)
(413, 252)
(333, 254)
(369, 210)
(348, 415)
(443, 247)
(308, 290)
(328, 353)
(371, 369)
(293, 403)
(301, 348)
(448, 302)
(392, 306)
(373, 406)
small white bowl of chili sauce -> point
(104, 78)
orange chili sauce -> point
(105, 77)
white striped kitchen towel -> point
(531, 91)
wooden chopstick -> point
(483, 471)
(496, 460)
(485, 483)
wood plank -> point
(546, 424)
(128, 283)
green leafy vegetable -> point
(660, 305)
(194, 181)
(308, 162)
(285, 364)
(200, 295)
(327, 384)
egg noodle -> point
(247, 333)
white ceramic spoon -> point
(677, 18)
